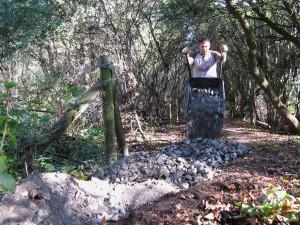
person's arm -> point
(224, 50)
(221, 57)
(187, 59)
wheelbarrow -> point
(204, 106)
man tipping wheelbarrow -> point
(204, 91)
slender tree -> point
(254, 70)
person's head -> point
(204, 45)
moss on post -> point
(121, 141)
(108, 111)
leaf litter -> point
(271, 165)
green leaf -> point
(251, 212)
(74, 91)
(3, 163)
(271, 192)
(49, 167)
(7, 182)
(266, 209)
(45, 118)
(9, 85)
(2, 119)
(245, 206)
(293, 218)
(288, 196)
(13, 140)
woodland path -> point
(274, 161)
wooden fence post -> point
(121, 141)
(108, 111)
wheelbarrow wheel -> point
(206, 126)
(205, 109)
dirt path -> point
(273, 162)
(61, 199)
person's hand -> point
(223, 48)
(185, 50)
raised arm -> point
(222, 55)
(187, 59)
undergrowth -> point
(274, 206)
(78, 151)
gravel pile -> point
(143, 177)
(181, 164)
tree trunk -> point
(252, 104)
(108, 111)
(170, 111)
(291, 120)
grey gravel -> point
(181, 164)
(143, 177)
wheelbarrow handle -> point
(188, 65)
(221, 70)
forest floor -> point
(273, 164)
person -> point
(203, 60)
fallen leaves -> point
(273, 163)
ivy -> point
(277, 207)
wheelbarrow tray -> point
(206, 82)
